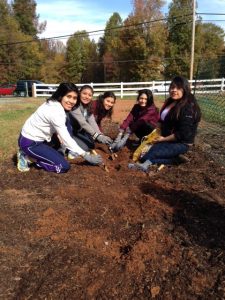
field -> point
(92, 234)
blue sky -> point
(64, 17)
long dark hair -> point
(149, 95)
(89, 105)
(101, 111)
(182, 83)
(63, 89)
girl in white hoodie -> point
(49, 119)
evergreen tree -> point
(79, 54)
(179, 38)
(25, 14)
(208, 50)
(92, 72)
(109, 46)
(222, 65)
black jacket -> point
(184, 127)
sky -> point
(64, 17)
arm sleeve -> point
(59, 123)
(153, 116)
(129, 119)
(77, 114)
(92, 122)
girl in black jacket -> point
(179, 118)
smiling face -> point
(108, 103)
(176, 93)
(69, 100)
(142, 100)
(86, 96)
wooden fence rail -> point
(124, 89)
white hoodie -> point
(48, 119)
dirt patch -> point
(92, 234)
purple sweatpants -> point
(45, 156)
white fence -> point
(124, 89)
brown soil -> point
(92, 234)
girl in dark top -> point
(179, 118)
(102, 108)
(141, 120)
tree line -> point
(146, 46)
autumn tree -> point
(7, 29)
(53, 61)
(209, 43)
(143, 42)
(18, 56)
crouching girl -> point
(36, 134)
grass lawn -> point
(13, 113)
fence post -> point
(34, 93)
(222, 83)
(121, 90)
(26, 89)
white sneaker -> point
(22, 162)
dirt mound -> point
(92, 234)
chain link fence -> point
(211, 133)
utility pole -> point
(193, 41)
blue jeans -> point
(45, 156)
(165, 152)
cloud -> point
(67, 17)
(65, 28)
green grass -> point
(12, 117)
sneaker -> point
(140, 166)
(72, 155)
(181, 159)
(22, 162)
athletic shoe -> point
(22, 162)
(140, 166)
(181, 159)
